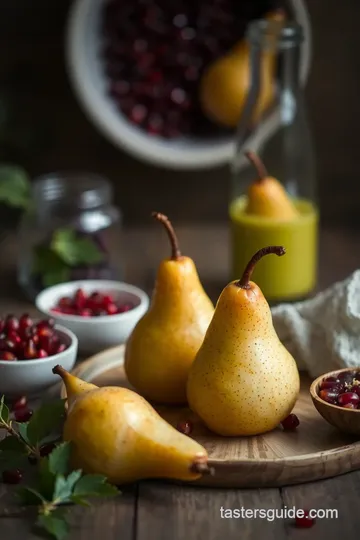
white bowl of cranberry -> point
(101, 313)
(135, 67)
(28, 352)
(336, 396)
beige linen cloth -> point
(323, 333)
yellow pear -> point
(116, 433)
(225, 84)
(266, 196)
(164, 343)
(243, 380)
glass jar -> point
(279, 134)
(71, 231)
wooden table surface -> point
(164, 511)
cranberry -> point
(11, 324)
(185, 426)
(304, 521)
(12, 477)
(47, 449)
(291, 422)
(7, 355)
(23, 415)
(80, 299)
(329, 395)
(42, 354)
(30, 351)
(19, 403)
(348, 397)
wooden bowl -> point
(347, 420)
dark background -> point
(44, 128)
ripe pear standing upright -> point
(165, 341)
(116, 433)
(243, 380)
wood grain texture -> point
(177, 512)
(315, 450)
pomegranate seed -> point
(330, 382)
(80, 299)
(291, 422)
(350, 406)
(11, 324)
(155, 124)
(61, 348)
(355, 388)
(14, 337)
(23, 415)
(12, 477)
(42, 354)
(138, 114)
(7, 355)
(30, 351)
(2, 326)
(25, 322)
(348, 397)
(112, 309)
(185, 426)
(329, 395)
(48, 324)
(45, 331)
(19, 403)
(65, 302)
(100, 312)
(305, 521)
(47, 449)
(56, 310)
(108, 299)
(68, 311)
(125, 307)
(85, 312)
(7, 345)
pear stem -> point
(243, 283)
(258, 164)
(175, 251)
(200, 465)
(59, 370)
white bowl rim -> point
(72, 348)
(100, 109)
(99, 284)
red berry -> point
(47, 323)
(42, 354)
(7, 355)
(14, 337)
(291, 422)
(329, 395)
(349, 406)
(329, 382)
(45, 331)
(24, 322)
(47, 449)
(30, 351)
(12, 477)
(80, 299)
(61, 348)
(107, 299)
(112, 309)
(304, 521)
(7, 345)
(86, 312)
(65, 302)
(355, 388)
(348, 397)
(11, 323)
(185, 426)
(19, 403)
(23, 415)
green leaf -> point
(59, 459)
(46, 479)
(22, 427)
(12, 444)
(12, 460)
(14, 186)
(76, 499)
(30, 496)
(50, 266)
(55, 525)
(64, 487)
(45, 420)
(73, 249)
(94, 485)
(4, 411)
(54, 278)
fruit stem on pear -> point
(258, 164)
(243, 283)
(200, 466)
(175, 251)
(59, 370)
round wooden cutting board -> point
(315, 450)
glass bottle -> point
(71, 231)
(279, 134)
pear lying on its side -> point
(243, 380)
(116, 433)
(165, 341)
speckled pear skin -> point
(243, 380)
(164, 343)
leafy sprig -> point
(56, 486)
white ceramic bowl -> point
(83, 46)
(96, 333)
(29, 377)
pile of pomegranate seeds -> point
(155, 52)
(343, 390)
(22, 339)
(95, 304)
